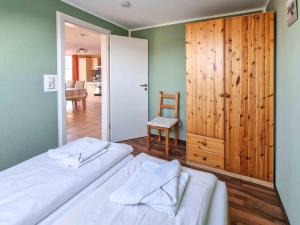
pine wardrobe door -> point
(205, 92)
(249, 102)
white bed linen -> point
(159, 186)
(217, 213)
(79, 152)
(35, 188)
(218, 210)
(92, 187)
(97, 209)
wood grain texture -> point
(205, 157)
(205, 91)
(249, 87)
(249, 204)
(205, 143)
(205, 78)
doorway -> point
(82, 79)
(124, 83)
(83, 82)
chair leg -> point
(176, 135)
(167, 143)
(149, 138)
(84, 103)
(159, 135)
(75, 104)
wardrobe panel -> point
(205, 143)
(205, 78)
(249, 87)
(206, 158)
(190, 78)
(205, 92)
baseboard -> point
(282, 207)
(234, 175)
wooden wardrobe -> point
(230, 94)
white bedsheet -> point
(35, 188)
(218, 210)
(97, 209)
(90, 188)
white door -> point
(128, 87)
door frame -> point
(61, 18)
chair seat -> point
(163, 122)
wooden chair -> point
(165, 124)
(80, 85)
(70, 84)
(75, 91)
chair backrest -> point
(70, 84)
(168, 106)
(80, 84)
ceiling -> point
(78, 37)
(146, 13)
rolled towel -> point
(158, 186)
(78, 152)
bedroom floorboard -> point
(249, 204)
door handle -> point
(144, 85)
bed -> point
(35, 188)
(94, 207)
(49, 219)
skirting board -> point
(230, 174)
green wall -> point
(287, 111)
(28, 116)
(166, 66)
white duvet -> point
(33, 189)
(97, 209)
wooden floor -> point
(249, 204)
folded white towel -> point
(172, 209)
(124, 147)
(79, 152)
(159, 186)
(74, 163)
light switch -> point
(50, 83)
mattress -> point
(217, 214)
(90, 188)
(96, 209)
(38, 186)
(218, 210)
